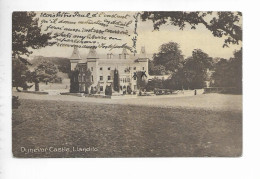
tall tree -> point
(195, 69)
(20, 74)
(170, 56)
(222, 74)
(156, 69)
(236, 63)
(228, 73)
(45, 72)
(116, 80)
(26, 35)
(220, 24)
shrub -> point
(108, 90)
(129, 90)
(15, 102)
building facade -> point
(95, 74)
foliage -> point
(27, 34)
(116, 80)
(169, 56)
(129, 90)
(63, 64)
(156, 69)
(192, 72)
(141, 83)
(93, 90)
(195, 69)
(228, 73)
(177, 81)
(46, 72)
(222, 74)
(20, 74)
(220, 24)
(154, 83)
(108, 90)
(15, 102)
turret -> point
(92, 54)
(142, 53)
(124, 54)
(74, 59)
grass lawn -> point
(119, 130)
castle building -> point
(103, 69)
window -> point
(79, 78)
(109, 55)
(134, 68)
(134, 77)
(101, 78)
(91, 68)
(143, 68)
(108, 68)
(100, 68)
(101, 88)
(83, 78)
(108, 77)
(92, 79)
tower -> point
(124, 54)
(75, 58)
(142, 53)
(92, 54)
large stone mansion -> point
(103, 70)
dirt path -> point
(206, 101)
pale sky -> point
(188, 40)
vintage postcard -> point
(126, 84)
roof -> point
(75, 54)
(124, 51)
(142, 53)
(92, 54)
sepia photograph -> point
(123, 84)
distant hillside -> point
(63, 64)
